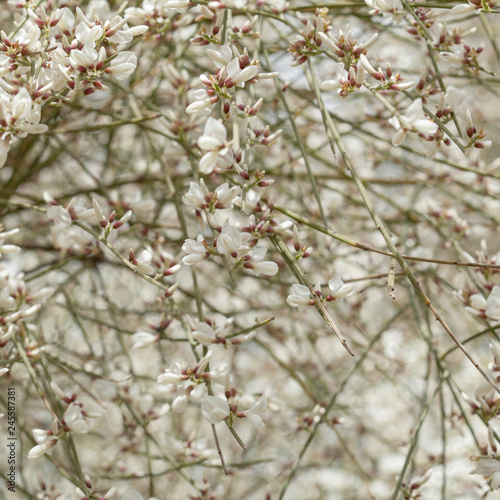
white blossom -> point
(214, 409)
(200, 102)
(197, 194)
(212, 141)
(414, 121)
(229, 240)
(177, 5)
(490, 468)
(388, 8)
(240, 76)
(173, 375)
(143, 339)
(195, 250)
(179, 404)
(204, 334)
(39, 450)
(123, 65)
(339, 289)
(465, 8)
(75, 420)
(261, 266)
(253, 413)
(222, 56)
(490, 306)
(454, 97)
(225, 195)
(300, 297)
(144, 262)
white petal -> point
(256, 421)
(214, 409)
(425, 126)
(179, 404)
(208, 162)
(330, 85)
(477, 301)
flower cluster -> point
(55, 56)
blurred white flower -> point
(454, 97)
(75, 420)
(40, 450)
(123, 65)
(179, 404)
(339, 289)
(214, 135)
(222, 56)
(300, 297)
(172, 375)
(212, 141)
(143, 339)
(225, 195)
(253, 413)
(144, 262)
(240, 76)
(388, 8)
(259, 265)
(197, 194)
(465, 8)
(177, 5)
(60, 216)
(45, 443)
(214, 409)
(201, 102)
(204, 334)
(414, 121)
(489, 307)
(229, 240)
(490, 469)
(195, 250)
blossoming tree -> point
(249, 249)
